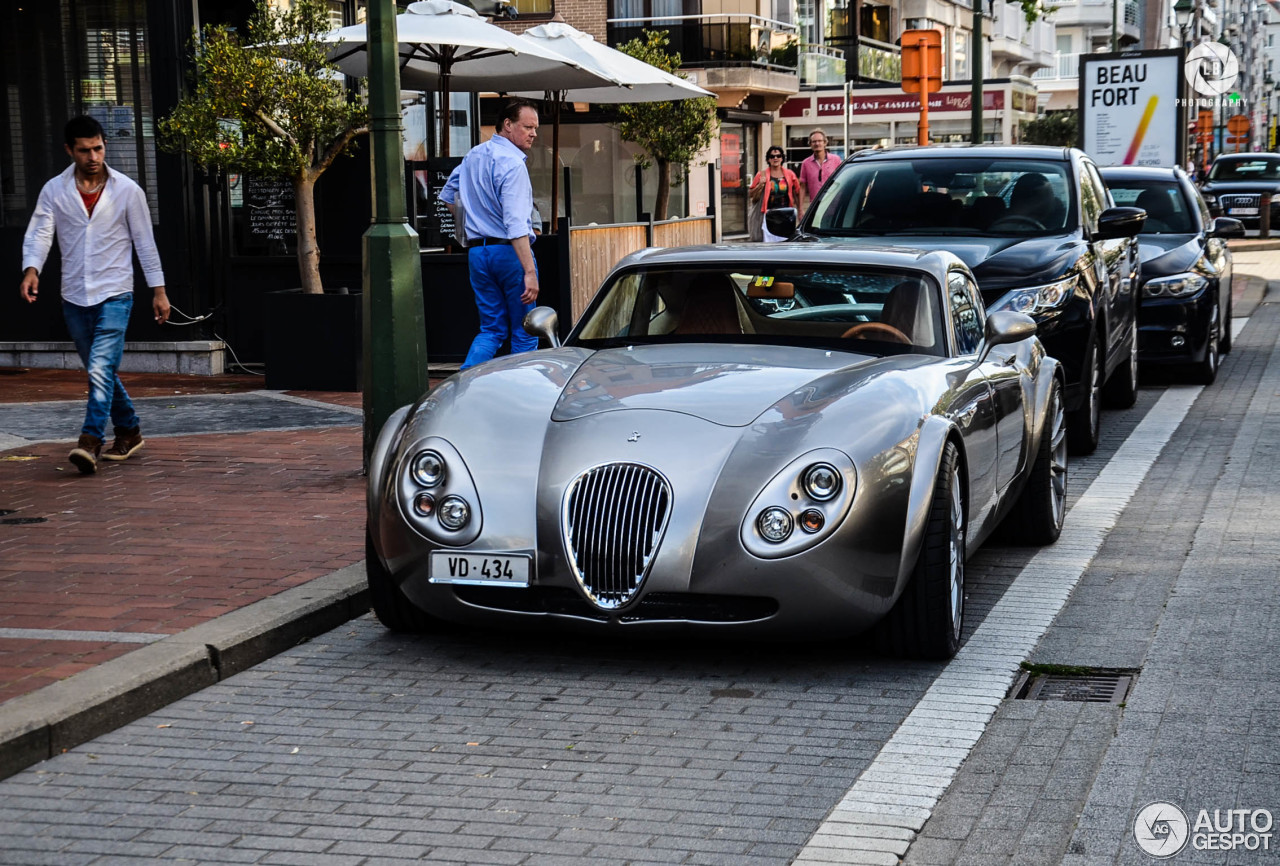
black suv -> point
(1236, 182)
(1039, 230)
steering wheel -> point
(1017, 221)
(876, 331)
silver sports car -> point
(765, 440)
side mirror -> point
(1120, 222)
(1226, 227)
(1004, 327)
(543, 323)
(781, 221)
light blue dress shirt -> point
(493, 185)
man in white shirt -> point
(100, 218)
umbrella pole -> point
(444, 109)
(555, 160)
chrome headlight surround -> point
(1176, 286)
(436, 493)
(800, 505)
(1039, 300)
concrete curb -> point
(61, 716)
(1254, 290)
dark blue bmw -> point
(1184, 309)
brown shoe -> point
(128, 441)
(85, 454)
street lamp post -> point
(1184, 12)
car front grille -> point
(1249, 200)
(613, 521)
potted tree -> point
(249, 110)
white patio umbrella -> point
(445, 46)
(640, 82)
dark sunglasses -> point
(775, 156)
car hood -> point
(1163, 255)
(1218, 187)
(998, 262)
(728, 385)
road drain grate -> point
(1096, 686)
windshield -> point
(1245, 169)
(1168, 211)
(960, 196)
(871, 311)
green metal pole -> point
(975, 115)
(395, 335)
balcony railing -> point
(718, 40)
(1065, 66)
(821, 65)
(878, 61)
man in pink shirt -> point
(815, 170)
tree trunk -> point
(304, 199)
(662, 201)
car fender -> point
(931, 440)
(1049, 371)
(387, 442)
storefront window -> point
(101, 69)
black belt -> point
(484, 242)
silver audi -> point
(782, 440)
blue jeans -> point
(98, 333)
(497, 278)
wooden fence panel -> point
(594, 250)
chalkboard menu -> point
(437, 228)
(266, 220)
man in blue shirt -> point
(492, 186)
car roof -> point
(822, 253)
(1008, 151)
(1235, 157)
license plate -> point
(480, 569)
(1242, 211)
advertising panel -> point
(1131, 107)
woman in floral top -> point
(772, 187)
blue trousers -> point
(497, 278)
(98, 333)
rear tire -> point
(1121, 390)
(927, 620)
(1038, 515)
(1084, 424)
(389, 603)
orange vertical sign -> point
(922, 70)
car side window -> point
(1091, 203)
(967, 314)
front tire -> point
(1084, 424)
(389, 603)
(1121, 390)
(1206, 371)
(1038, 515)
(927, 620)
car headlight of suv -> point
(436, 493)
(1209, 198)
(1176, 286)
(801, 505)
(1038, 300)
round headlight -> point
(774, 524)
(424, 504)
(428, 469)
(822, 481)
(454, 512)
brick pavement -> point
(191, 528)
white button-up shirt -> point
(97, 260)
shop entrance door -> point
(737, 165)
